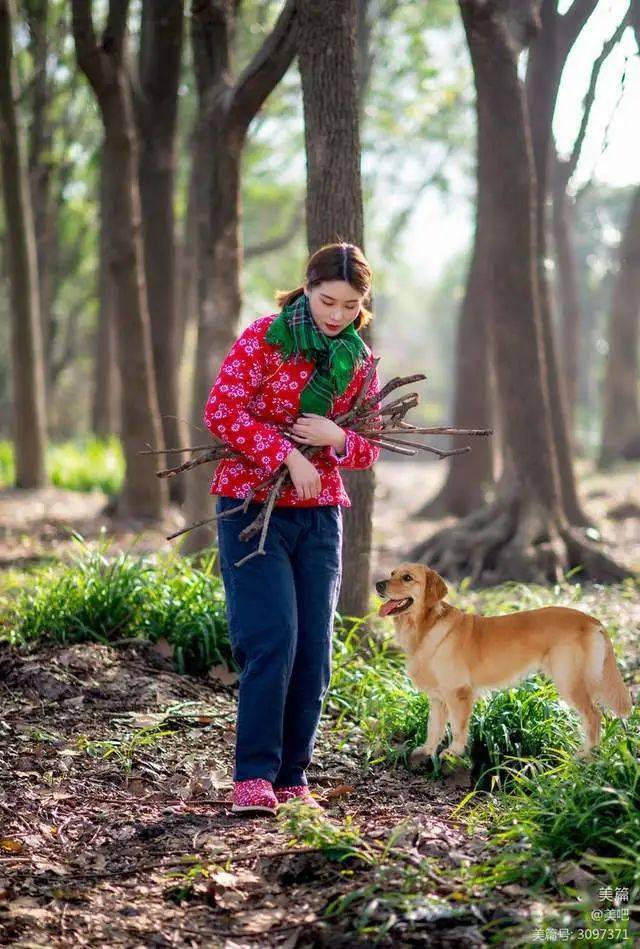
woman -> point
(292, 369)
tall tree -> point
(156, 109)
(327, 62)
(524, 534)
(28, 417)
(104, 64)
(469, 475)
(226, 109)
(563, 226)
(106, 409)
(620, 438)
(547, 57)
(36, 14)
(621, 396)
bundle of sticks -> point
(381, 423)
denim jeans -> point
(280, 611)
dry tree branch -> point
(379, 424)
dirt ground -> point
(140, 848)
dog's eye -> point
(407, 576)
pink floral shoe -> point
(284, 794)
(255, 794)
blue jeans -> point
(280, 610)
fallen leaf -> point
(11, 846)
(341, 790)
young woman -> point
(293, 369)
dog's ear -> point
(441, 588)
(434, 589)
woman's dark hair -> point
(336, 262)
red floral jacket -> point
(256, 390)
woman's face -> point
(334, 305)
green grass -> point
(97, 598)
(585, 810)
(84, 464)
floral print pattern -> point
(253, 794)
(255, 390)
(285, 794)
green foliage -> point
(580, 809)
(525, 724)
(87, 464)
(7, 468)
(338, 842)
(82, 464)
(100, 599)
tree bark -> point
(570, 305)
(226, 109)
(106, 410)
(28, 417)
(40, 167)
(568, 292)
(524, 535)
(621, 409)
(469, 475)
(547, 57)
(143, 494)
(327, 43)
(156, 109)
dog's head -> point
(412, 588)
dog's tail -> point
(608, 684)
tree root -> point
(513, 540)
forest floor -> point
(116, 828)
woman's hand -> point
(312, 429)
(305, 476)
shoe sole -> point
(241, 808)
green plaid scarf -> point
(336, 357)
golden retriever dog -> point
(453, 655)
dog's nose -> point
(381, 586)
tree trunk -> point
(524, 535)
(156, 108)
(226, 110)
(40, 166)
(28, 417)
(187, 269)
(621, 412)
(469, 475)
(143, 495)
(547, 57)
(106, 410)
(568, 292)
(334, 213)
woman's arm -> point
(359, 453)
(225, 413)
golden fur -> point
(453, 655)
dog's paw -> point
(418, 757)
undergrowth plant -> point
(98, 598)
(124, 749)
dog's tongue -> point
(386, 607)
